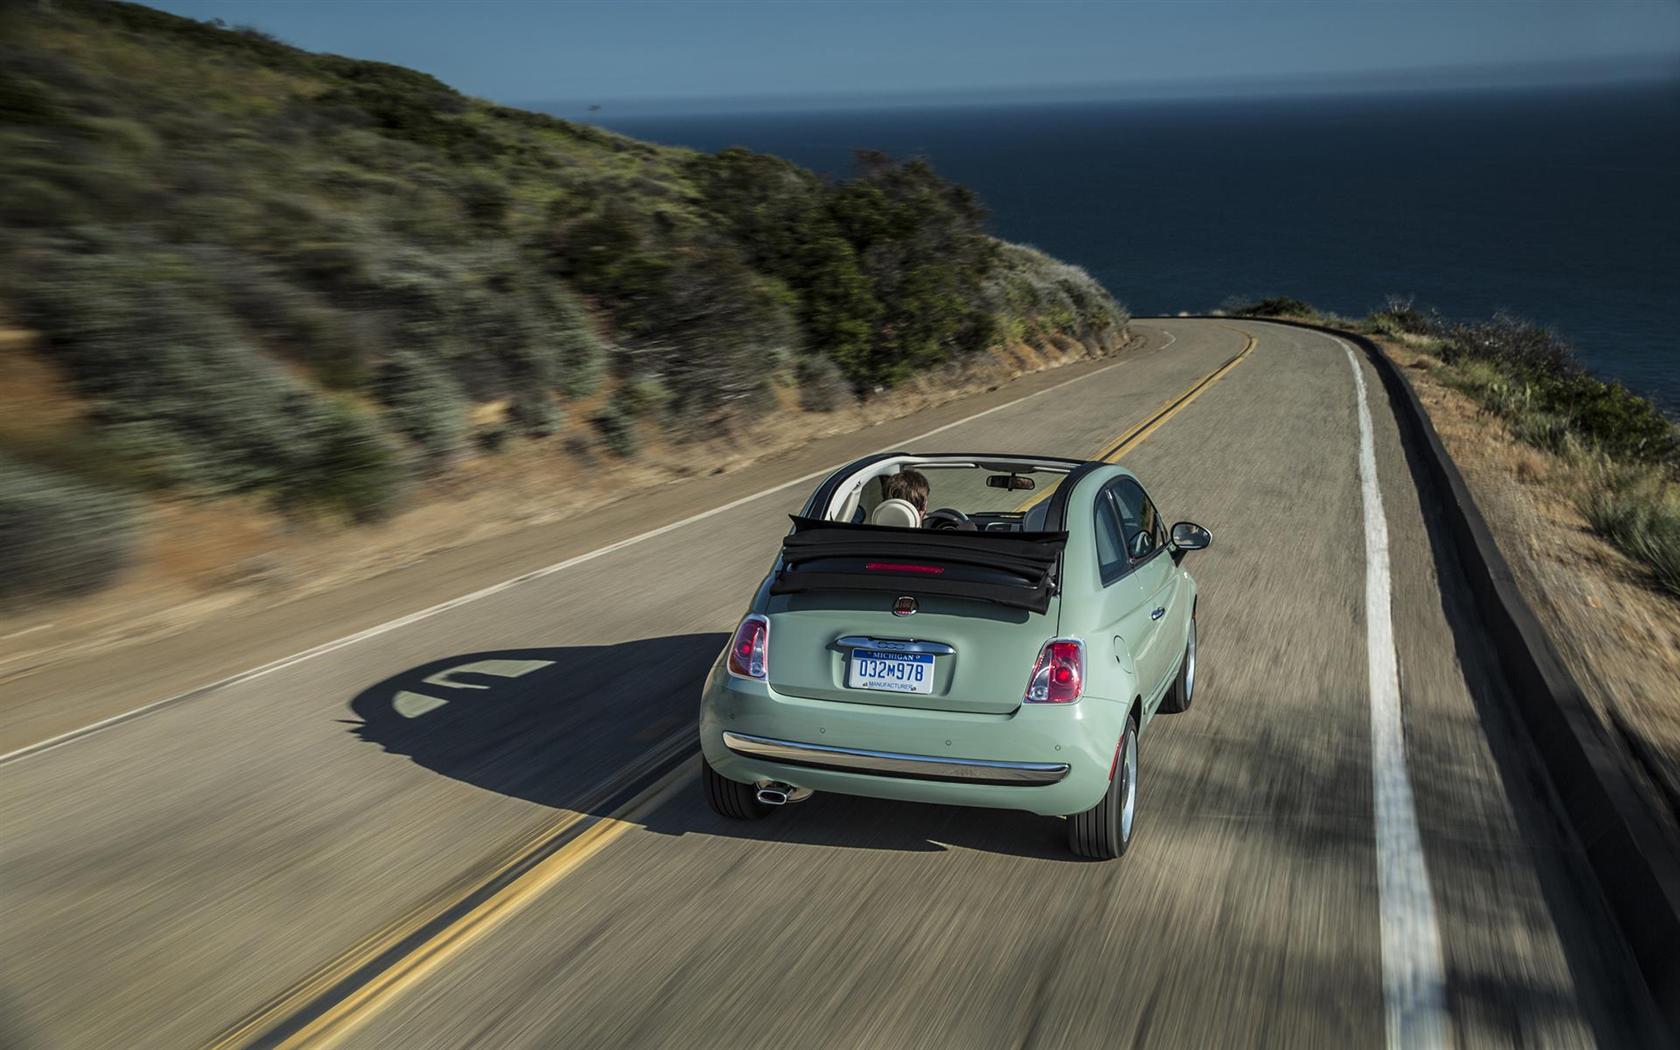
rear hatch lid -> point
(984, 604)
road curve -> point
(347, 842)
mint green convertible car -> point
(1004, 649)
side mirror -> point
(1188, 536)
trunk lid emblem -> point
(904, 606)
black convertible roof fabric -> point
(1016, 569)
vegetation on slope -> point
(271, 270)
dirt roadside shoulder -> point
(56, 680)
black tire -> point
(1104, 831)
(1183, 688)
(730, 798)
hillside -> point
(256, 269)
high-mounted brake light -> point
(898, 566)
(749, 650)
(1059, 675)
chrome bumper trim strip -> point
(888, 763)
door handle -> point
(1157, 614)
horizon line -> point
(1650, 69)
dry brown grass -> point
(34, 398)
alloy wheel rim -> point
(1190, 664)
(1128, 774)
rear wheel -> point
(1105, 830)
(1184, 687)
(730, 798)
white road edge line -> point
(496, 588)
(1414, 989)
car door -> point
(1131, 586)
(1151, 580)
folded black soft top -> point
(1016, 569)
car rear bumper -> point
(1047, 759)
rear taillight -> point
(749, 650)
(1059, 675)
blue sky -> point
(768, 52)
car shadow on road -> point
(552, 725)
(879, 824)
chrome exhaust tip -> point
(779, 793)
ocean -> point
(1560, 207)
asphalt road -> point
(333, 843)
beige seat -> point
(899, 512)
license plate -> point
(890, 672)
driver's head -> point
(908, 485)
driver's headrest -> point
(899, 512)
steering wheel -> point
(946, 518)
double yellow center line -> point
(1134, 437)
(328, 1006)
(1112, 450)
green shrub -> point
(406, 105)
(535, 413)
(714, 331)
(920, 242)
(423, 403)
(25, 101)
(59, 536)
(1029, 292)
(155, 454)
(1401, 315)
(330, 265)
(174, 382)
(1576, 410)
(642, 397)
(1545, 430)
(486, 202)
(1639, 513)
(37, 202)
(1613, 419)
(352, 469)
(822, 386)
(96, 456)
(1524, 347)
(617, 430)
(1270, 306)
(1530, 377)
(582, 361)
(565, 332)
(335, 344)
